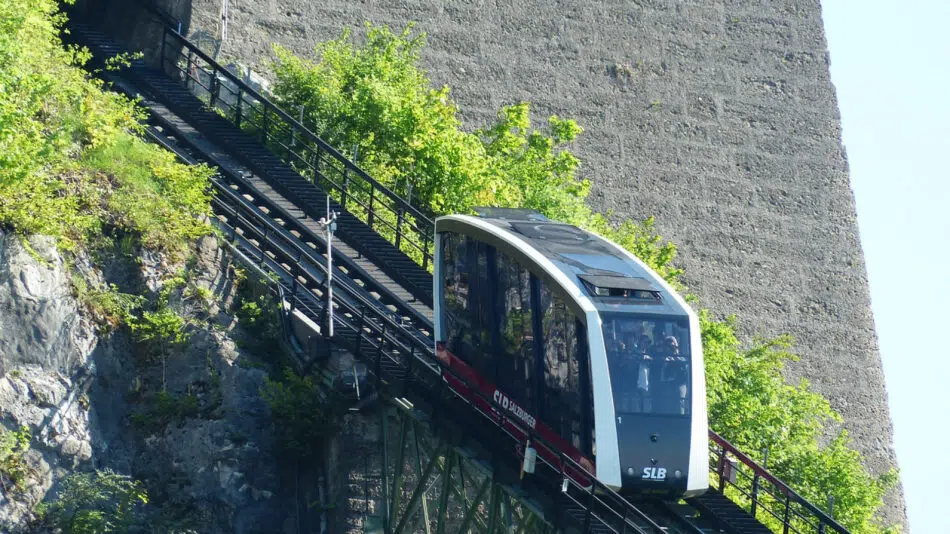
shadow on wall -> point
(133, 24)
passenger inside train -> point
(648, 371)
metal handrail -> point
(725, 449)
(266, 229)
(293, 229)
(282, 131)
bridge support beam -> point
(432, 486)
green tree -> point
(71, 162)
(375, 101)
(751, 405)
(162, 331)
(92, 503)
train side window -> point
(589, 423)
(480, 304)
(454, 290)
(584, 418)
(516, 364)
(562, 377)
(465, 281)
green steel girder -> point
(464, 493)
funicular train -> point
(577, 340)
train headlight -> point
(678, 474)
(630, 471)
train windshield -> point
(649, 363)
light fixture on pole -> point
(329, 223)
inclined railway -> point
(275, 181)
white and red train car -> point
(577, 343)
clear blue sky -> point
(890, 62)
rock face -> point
(719, 118)
(45, 352)
(39, 323)
(92, 400)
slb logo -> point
(654, 473)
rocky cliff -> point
(194, 430)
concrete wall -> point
(717, 117)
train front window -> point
(649, 363)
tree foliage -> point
(303, 412)
(13, 467)
(92, 503)
(71, 161)
(375, 101)
(752, 406)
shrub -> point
(13, 467)
(162, 331)
(92, 503)
(71, 164)
(303, 413)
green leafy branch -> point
(13, 467)
(93, 503)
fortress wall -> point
(717, 117)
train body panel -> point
(576, 340)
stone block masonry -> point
(717, 117)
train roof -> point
(589, 261)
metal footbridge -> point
(439, 465)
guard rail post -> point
(755, 482)
(370, 213)
(407, 382)
(264, 124)
(590, 504)
(188, 79)
(831, 513)
(345, 187)
(785, 518)
(399, 213)
(293, 295)
(381, 348)
(721, 468)
(425, 250)
(359, 332)
(215, 92)
(237, 110)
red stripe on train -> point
(511, 410)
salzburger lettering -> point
(512, 406)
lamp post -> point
(329, 223)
